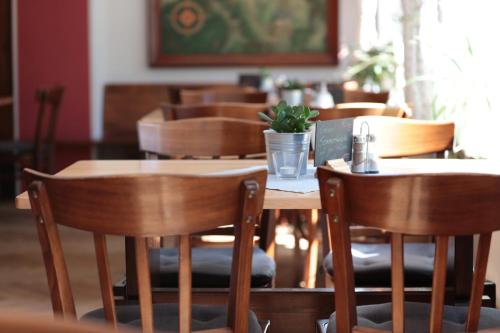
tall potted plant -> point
(373, 74)
(288, 139)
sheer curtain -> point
(449, 57)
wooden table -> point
(281, 305)
(273, 199)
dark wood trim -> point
(157, 59)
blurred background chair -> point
(235, 110)
(240, 94)
(39, 153)
(440, 206)
(141, 207)
(351, 110)
(212, 137)
(353, 93)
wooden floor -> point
(22, 274)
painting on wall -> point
(243, 32)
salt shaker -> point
(371, 154)
(359, 153)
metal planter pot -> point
(293, 146)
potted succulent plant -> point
(292, 92)
(288, 139)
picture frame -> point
(191, 15)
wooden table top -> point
(274, 199)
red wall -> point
(53, 48)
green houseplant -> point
(288, 139)
(374, 70)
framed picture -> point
(243, 32)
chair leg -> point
(311, 262)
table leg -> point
(311, 262)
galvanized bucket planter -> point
(288, 151)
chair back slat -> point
(240, 95)
(106, 285)
(397, 277)
(144, 284)
(241, 270)
(476, 297)
(214, 136)
(57, 273)
(438, 284)
(184, 284)
(332, 201)
(248, 111)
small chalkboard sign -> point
(333, 140)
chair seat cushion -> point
(211, 267)
(417, 316)
(166, 317)
(372, 264)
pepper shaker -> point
(359, 153)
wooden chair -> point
(142, 207)
(437, 205)
(352, 93)
(351, 110)
(340, 111)
(240, 95)
(213, 137)
(248, 111)
(206, 137)
(22, 323)
(397, 137)
(39, 153)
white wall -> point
(119, 53)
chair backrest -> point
(214, 137)
(29, 323)
(124, 104)
(401, 137)
(352, 93)
(351, 110)
(241, 95)
(440, 205)
(49, 102)
(247, 111)
(142, 207)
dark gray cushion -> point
(417, 318)
(166, 317)
(211, 267)
(372, 264)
